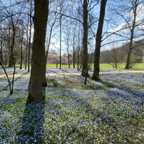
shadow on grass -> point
(31, 130)
(105, 119)
(77, 82)
(80, 103)
(125, 89)
(7, 86)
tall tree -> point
(130, 12)
(84, 40)
(73, 45)
(21, 47)
(29, 48)
(38, 51)
(60, 22)
(98, 41)
(134, 4)
(50, 36)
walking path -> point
(26, 75)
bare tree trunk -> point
(78, 48)
(78, 61)
(26, 56)
(49, 41)
(60, 40)
(74, 48)
(132, 34)
(98, 41)
(68, 60)
(29, 48)
(9, 44)
(1, 53)
(13, 60)
(26, 59)
(10, 60)
(21, 57)
(56, 64)
(129, 52)
(73, 58)
(84, 40)
(49, 44)
(38, 55)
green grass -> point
(122, 66)
(102, 66)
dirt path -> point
(26, 75)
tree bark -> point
(38, 52)
(12, 54)
(26, 55)
(132, 35)
(9, 44)
(21, 56)
(73, 58)
(98, 41)
(60, 40)
(84, 40)
(74, 49)
(1, 53)
(49, 41)
(29, 48)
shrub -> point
(133, 59)
(55, 84)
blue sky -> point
(113, 23)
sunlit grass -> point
(102, 66)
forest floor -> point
(109, 111)
(56, 72)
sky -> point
(110, 27)
(112, 24)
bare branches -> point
(93, 6)
(68, 16)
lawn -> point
(102, 66)
(110, 111)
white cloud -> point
(120, 28)
(139, 19)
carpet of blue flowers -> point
(110, 111)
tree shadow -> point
(31, 129)
(7, 86)
(94, 113)
(121, 94)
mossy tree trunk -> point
(37, 78)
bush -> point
(55, 84)
(133, 59)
